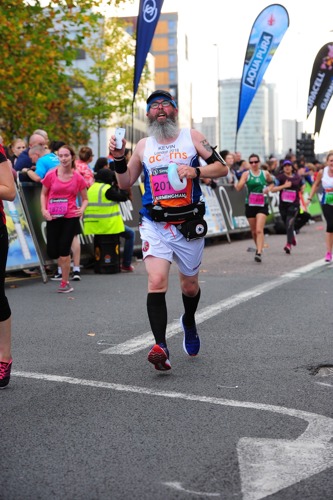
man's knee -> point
(190, 286)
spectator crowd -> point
(34, 159)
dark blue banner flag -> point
(149, 13)
(266, 34)
(321, 84)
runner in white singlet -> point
(172, 226)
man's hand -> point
(113, 149)
(186, 172)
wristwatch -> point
(198, 171)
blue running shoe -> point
(191, 342)
(159, 356)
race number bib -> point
(288, 196)
(256, 199)
(161, 187)
(57, 207)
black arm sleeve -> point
(215, 157)
(113, 194)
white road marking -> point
(175, 485)
(266, 465)
(144, 341)
(270, 465)
(326, 384)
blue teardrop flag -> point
(149, 13)
(266, 34)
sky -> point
(219, 33)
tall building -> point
(291, 131)
(259, 131)
(208, 127)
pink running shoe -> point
(65, 287)
(287, 248)
(328, 257)
(5, 373)
(159, 356)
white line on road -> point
(311, 432)
(325, 384)
(144, 341)
(176, 485)
(260, 460)
(266, 465)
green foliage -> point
(108, 84)
(39, 42)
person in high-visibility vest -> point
(103, 215)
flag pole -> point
(132, 128)
(146, 23)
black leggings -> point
(5, 311)
(288, 215)
(328, 214)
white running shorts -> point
(166, 242)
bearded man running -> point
(172, 225)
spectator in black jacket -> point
(107, 176)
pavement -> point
(85, 416)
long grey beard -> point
(167, 130)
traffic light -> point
(305, 148)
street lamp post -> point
(218, 95)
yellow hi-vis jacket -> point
(102, 216)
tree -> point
(106, 94)
(39, 43)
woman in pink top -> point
(58, 202)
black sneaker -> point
(56, 277)
(257, 257)
(76, 276)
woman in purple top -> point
(289, 185)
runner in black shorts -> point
(256, 204)
(61, 186)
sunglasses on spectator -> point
(156, 105)
(256, 161)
